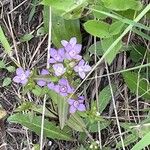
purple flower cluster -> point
(62, 61)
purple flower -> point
(51, 86)
(76, 104)
(57, 55)
(63, 87)
(82, 68)
(21, 76)
(42, 82)
(72, 49)
(59, 69)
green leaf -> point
(106, 43)
(66, 6)
(131, 79)
(105, 97)
(118, 5)
(37, 91)
(11, 69)
(34, 107)
(97, 28)
(76, 122)
(61, 29)
(102, 29)
(62, 110)
(6, 82)
(116, 27)
(137, 53)
(34, 124)
(99, 50)
(40, 31)
(2, 64)
(4, 42)
(26, 37)
(142, 143)
(97, 14)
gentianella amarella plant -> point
(66, 65)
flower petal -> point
(56, 88)
(87, 68)
(81, 107)
(64, 43)
(41, 83)
(77, 57)
(44, 72)
(72, 109)
(16, 79)
(24, 81)
(52, 61)
(82, 75)
(73, 41)
(76, 68)
(77, 48)
(71, 101)
(27, 73)
(81, 63)
(19, 71)
(63, 81)
(61, 52)
(51, 86)
(68, 48)
(53, 52)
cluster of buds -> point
(66, 64)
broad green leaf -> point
(102, 29)
(106, 43)
(118, 5)
(131, 80)
(62, 110)
(97, 28)
(97, 14)
(26, 37)
(137, 53)
(2, 64)
(61, 29)
(66, 6)
(105, 97)
(99, 50)
(7, 81)
(34, 124)
(76, 122)
(11, 69)
(142, 143)
(4, 42)
(116, 27)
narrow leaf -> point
(34, 124)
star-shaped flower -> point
(21, 76)
(82, 68)
(72, 49)
(63, 87)
(57, 55)
(59, 69)
(76, 104)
